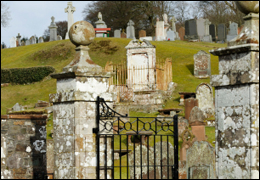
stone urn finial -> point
(250, 32)
(82, 34)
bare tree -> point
(181, 11)
(5, 15)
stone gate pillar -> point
(74, 107)
(237, 100)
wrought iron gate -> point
(156, 139)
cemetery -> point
(182, 104)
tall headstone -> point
(237, 100)
(232, 31)
(212, 31)
(201, 28)
(201, 161)
(13, 42)
(204, 94)
(207, 37)
(181, 32)
(176, 34)
(117, 33)
(191, 30)
(18, 37)
(100, 24)
(22, 43)
(40, 40)
(202, 67)
(222, 32)
(53, 30)
(159, 31)
(70, 10)
(130, 30)
(166, 25)
(74, 112)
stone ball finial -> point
(82, 33)
(248, 6)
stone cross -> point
(173, 20)
(207, 23)
(99, 16)
(165, 18)
(18, 37)
(70, 10)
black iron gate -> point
(135, 147)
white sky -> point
(32, 17)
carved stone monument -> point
(202, 67)
(18, 37)
(130, 30)
(53, 30)
(12, 42)
(100, 24)
(70, 10)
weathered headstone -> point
(202, 67)
(123, 35)
(191, 30)
(141, 153)
(18, 38)
(222, 32)
(117, 33)
(176, 34)
(59, 37)
(22, 43)
(232, 31)
(204, 94)
(142, 33)
(40, 40)
(32, 40)
(181, 33)
(170, 35)
(53, 30)
(201, 28)
(201, 161)
(100, 24)
(13, 42)
(27, 42)
(212, 31)
(130, 30)
(17, 107)
(166, 25)
(70, 10)
(160, 36)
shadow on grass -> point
(190, 68)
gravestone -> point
(117, 33)
(176, 34)
(123, 35)
(40, 40)
(181, 33)
(202, 67)
(53, 30)
(204, 94)
(13, 42)
(22, 43)
(191, 30)
(232, 31)
(33, 40)
(18, 38)
(207, 37)
(100, 24)
(196, 121)
(201, 28)
(170, 35)
(130, 30)
(17, 107)
(222, 32)
(59, 37)
(148, 38)
(141, 153)
(70, 10)
(201, 161)
(27, 42)
(142, 33)
(159, 31)
(212, 31)
(166, 25)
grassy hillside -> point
(60, 53)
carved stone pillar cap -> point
(248, 6)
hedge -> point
(25, 75)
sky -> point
(32, 17)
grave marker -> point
(117, 33)
(159, 31)
(202, 67)
(130, 30)
(212, 31)
(222, 32)
(53, 30)
(191, 29)
(70, 10)
(170, 35)
(18, 38)
(40, 40)
(13, 42)
(232, 31)
(100, 24)
(142, 33)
